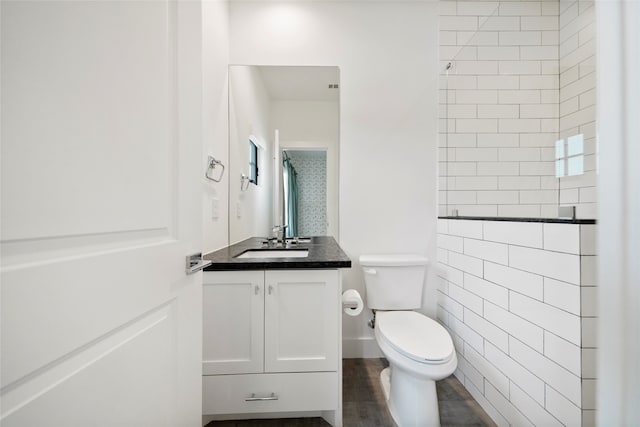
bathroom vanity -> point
(272, 330)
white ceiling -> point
(300, 83)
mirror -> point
(284, 134)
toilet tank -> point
(394, 281)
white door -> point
(100, 205)
(233, 341)
(302, 310)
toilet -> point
(419, 350)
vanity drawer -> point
(232, 394)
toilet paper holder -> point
(352, 303)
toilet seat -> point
(415, 336)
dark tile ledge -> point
(515, 219)
(324, 252)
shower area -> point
(517, 205)
(305, 192)
(517, 109)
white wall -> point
(249, 116)
(215, 46)
(387, 54)
(314, 124)
(618, 86)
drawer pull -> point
(253, 398)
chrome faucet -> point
(278, 236)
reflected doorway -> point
(304, 178)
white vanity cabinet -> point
(233, 315)
(272, 342)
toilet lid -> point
(415, 335)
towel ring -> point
(212, 165)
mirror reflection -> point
(283, 151)
(304, 174)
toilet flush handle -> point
(371, 271)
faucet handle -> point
(278, 232)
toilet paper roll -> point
(351, 297)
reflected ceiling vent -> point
(333, 86)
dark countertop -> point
(324, 252)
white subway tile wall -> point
(519, 300)
(497, 109)
(577, 98)
(522, 75)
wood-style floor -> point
(364, 405)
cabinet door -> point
(302, 312)
(233, 322)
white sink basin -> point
(275, 253)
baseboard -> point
(361, 347)
(206, 419)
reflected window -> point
(570, 156)
(253, 162)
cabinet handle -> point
(257, 290)
(253, 398)
(270, 289)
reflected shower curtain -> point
(290, 181)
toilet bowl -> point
(419, 349)
(420, 352)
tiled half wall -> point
(519, 300)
